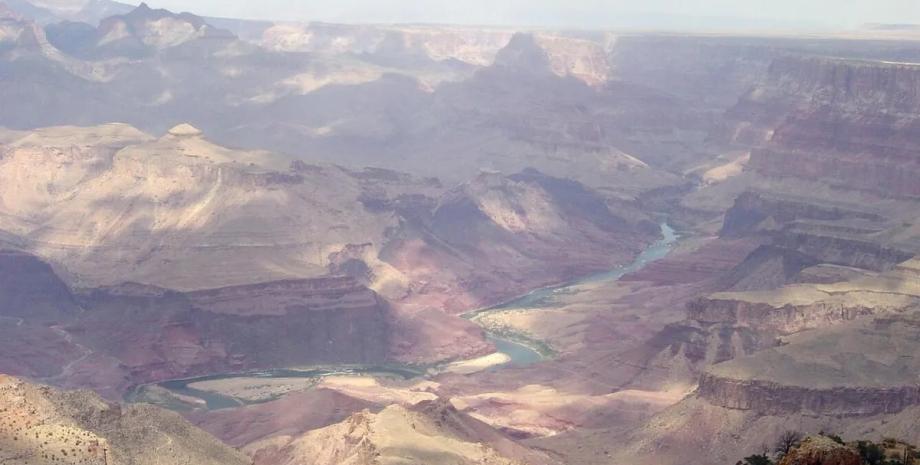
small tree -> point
(870, 452)
(786, 442)
(760, 459)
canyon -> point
(449, 244)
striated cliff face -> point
(859, 369)
(775, 299)
(112, 338)
(819, 229)
(752, 209)
(768, 398)
(797, 307)
(247, 327)
(849, 123)
(784, 318)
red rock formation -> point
(850, 123)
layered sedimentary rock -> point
(799, 308)
(113, 338)
(268, 325)
(135, 34)
(826, 231)
(856, 379)
(179, 212)
(191, 214)
(848, 122)
(41, 425)
(858, 369)
(796, 307)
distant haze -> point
(588, 14)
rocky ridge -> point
(430, 432)
(41, 425)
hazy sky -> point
(566, 13)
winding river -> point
(520, 350)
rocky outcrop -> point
(145, 30)
(430, 432)
(41, 426)
(821, 450)
(280, 298)
(767, 267)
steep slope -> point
(849, 122)
(41, 426)
(182, 198)
(855, 380)
(853, 370)
(33, 299)
(496, 233)
(112, 339)
(431, 432)
(181, 212)
(31, 290)
(258, 326)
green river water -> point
(519, 349)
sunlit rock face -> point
(431, 431)
(52, 426)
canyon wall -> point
(291, 323)
(862, 368)
(850, 123)
(786, 318)
(767, 398)
(115, 337)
